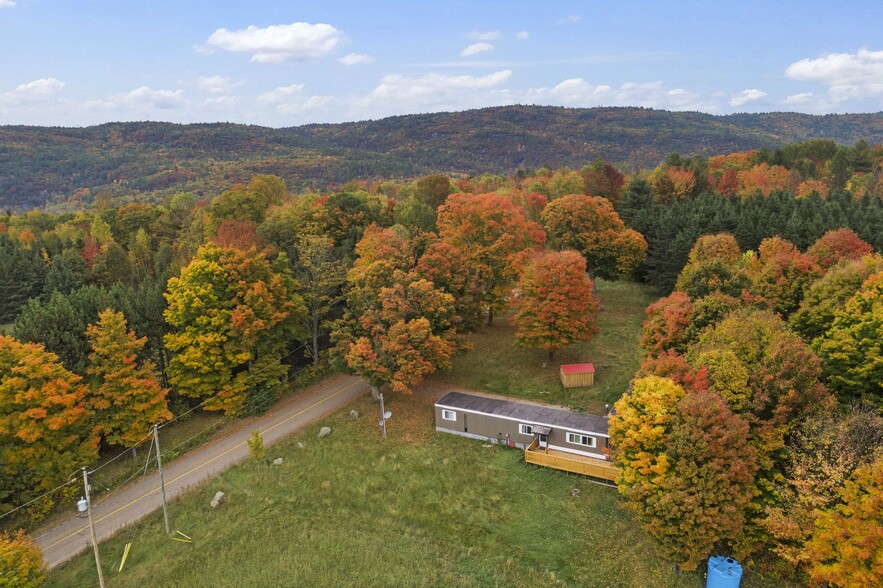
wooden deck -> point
(570, 462)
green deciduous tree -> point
(233, 314)
(830, 293)
(321, 275)
(852, 348)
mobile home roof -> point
(527, 413)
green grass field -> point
(419, 509)
(497, 365)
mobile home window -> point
(578, 439)
(525, 429)
(449, 415)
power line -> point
(124, 452)
(56, 489)
(249, 377)
(238, 413)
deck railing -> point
(578, 464)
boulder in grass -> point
(278, 461)
(324, 432)
(219, 499)
(354, 414)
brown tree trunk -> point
(490, 318)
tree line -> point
(754, 425)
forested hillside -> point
(147, 160)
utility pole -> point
(92, 529)
(162, 482)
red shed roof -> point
(578, 368)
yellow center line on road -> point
(205, 463)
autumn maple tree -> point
(232, 314)
(590, 225)
(126, 397)
(846, 549)
(783, 274)
(554, 303)
(666, 325)
(836, 245)
(494, 236)
(21, 561)
(441, 265)
(404, 334)
(45, 427)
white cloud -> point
(222, 102)
(40, 90)
(486, 36)
(217, 84)
(290, 100)
(798, 99)
(570, 19)
(476, 48)
(576, 92)
(356, 59)
(847, 75)
(746, 96)
(401, 94)
(6, 3)
(290, 43)
(144, 96)
(140, 100)
(522, 35)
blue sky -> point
(82, 62)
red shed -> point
(577, 375)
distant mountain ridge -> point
(39, 165)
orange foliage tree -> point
(763, 178)
(589, 225)
(126, 397)
(45, 431)
(847, 546)
(783, 275)
(405, 333)
(555, 306)
(21, 561)
(442, 265)
(494, 236)
(666, 325)
(836, 245)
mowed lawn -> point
(498, 365)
